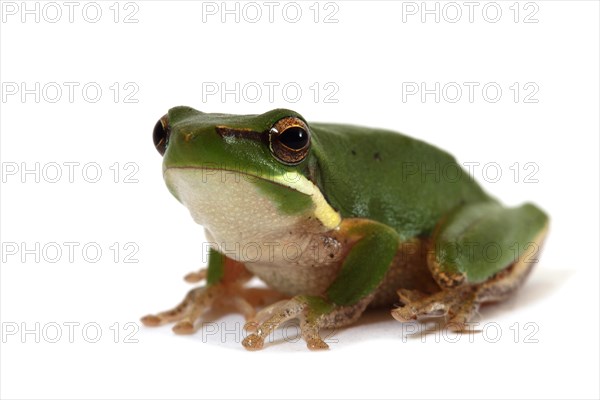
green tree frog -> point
(334, 219)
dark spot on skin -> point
(353, 152)
(376, 156)
(331, 256)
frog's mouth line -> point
(291, 180)
(276, 179)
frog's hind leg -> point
(461, 303)
(470, 278)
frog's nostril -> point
(160, 135)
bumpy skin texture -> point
(368, 213)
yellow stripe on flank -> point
(323, 211)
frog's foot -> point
(458, 304)
(228, 290)
(271, 317)
(186, 313)
(202, 299)
(314, 314)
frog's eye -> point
(161, 134)
(289, 140)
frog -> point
(335, 219)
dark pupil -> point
(160, 137)
(294, 137)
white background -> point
(368, 55)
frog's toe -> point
(253, 342)
(310, 333)
(202, 299)
(151, 320)
(273, 316)
(416, 304)
(314, 314)
(170, 315)
(459, 304)
(186, 313)
(269, 319)
(317, 344)
(461, 313)
(184, 327)
(254, 321)
(196, 276)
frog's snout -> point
(161, 133)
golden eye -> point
(289, 140)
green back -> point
(388, 177)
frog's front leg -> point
(479, 253)
(313, 312)
(225, 279)
(369, 248)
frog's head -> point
(242, 168)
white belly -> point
(291, 253)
